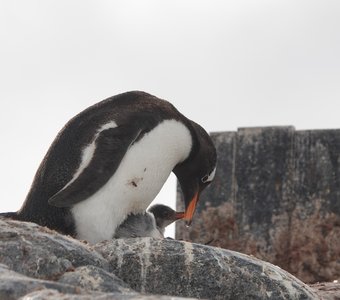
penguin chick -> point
(138, 225)
(164, 216)
(149, 224)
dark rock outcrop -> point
(42, 264)
(276, 195)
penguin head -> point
(197, 171)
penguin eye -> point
(205, 178)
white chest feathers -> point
(137, 181)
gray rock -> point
(80, 271)
(328, 290)
(170, 267)
(42, 253)
(159, 267)
(55, 295)
(14, 285)
(92, 278)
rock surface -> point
(327, 290)
(92, 278)
(38, 263)
(14, 285)
(49, 294)
(275, 196)
(42, 264)
(183, 269)
(39, 252)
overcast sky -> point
(224, 64)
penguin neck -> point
(137, 181)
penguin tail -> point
(10, 215)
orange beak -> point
(189, 212)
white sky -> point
(224, 64)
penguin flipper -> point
(110, 148)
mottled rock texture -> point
(178, 268)
(38, 252)
(276, 195)
(50, 294)
(327, 290)
(37, 263)
(14, 285)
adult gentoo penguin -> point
(111, 160)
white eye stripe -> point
(211, 175)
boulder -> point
(49, 294)
(39, 252)
(14, 285)
(171, 267)
(37, 263)
(92, 278)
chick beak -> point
(179, 215)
